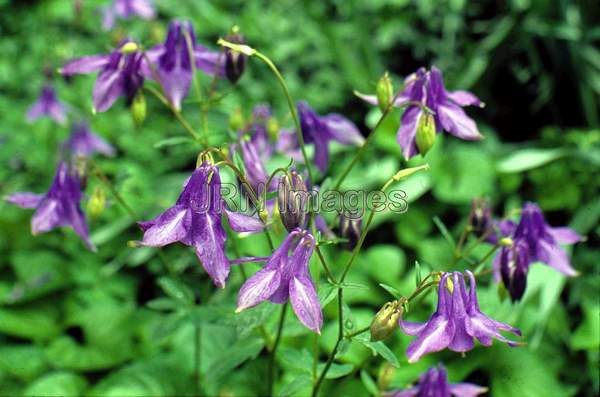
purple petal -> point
(210, 62)
(456, 122)
(321, 153)
(209, 240)
(412, 392)
(176, 82)
(78, 223)
(305, 302)
(554, 256)
(49, 215)
(109, 86)
(464, 98)
(565, 235)
(35, 111)
(467, 390)
(85, 65)
(243, 223)
(435, 336)
(171, 226)
(57, 112)
(408, 131)
(343, 130)
(143, 8)
(322, 226)
(259, 287)
(411, 328)
(462, 341)
(370, 99)
(25, 199)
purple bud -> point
(293, 201)
(514, 264)
(350, 228)
(481, 217)
(235, 62)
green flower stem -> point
(271, 371)
(358, 332)
(244, 49)
(197, 87)
(363, 235)
(325, 266)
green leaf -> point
(300, 383)
(587, 335)
(527, 159)
(25, 362)
(336, 370)
(64, 352)
(379, 348)
(163, 304)
(37, 322)
(369, 383)
(393, 291)
(176, 290)
(176, 140)
(57, 384)
(241, 351)
(444, 231)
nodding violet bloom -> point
(122, 73)
(235, 61)
(195, 220)
(532, 240)
(434, 383)
(60, 206)
(125, 9)
(286, 277)
(319, 130)
(48, 105)
(455, 323)
(83, 142)
(293, 201)
(350, 228)
(481, 221)
(175, 68)
(426, 89)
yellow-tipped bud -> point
(385, 321)
(506, 242)
(384, 91)
(236, 120)
(97, 202)
(273, 128)
(425, 133)
(129, 47)
(138, 108)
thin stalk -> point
(197, 352)
(271, 371)
(325, 266)
(197, 88)
(358, 332)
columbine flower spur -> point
(456, 321)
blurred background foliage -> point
(121, 322)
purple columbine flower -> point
(286, 277)
(319, 130)
(48, 105)
(434, 383)
(426, 89)
(125, 9)
(122, 73)
(175, 68)
(58, 207)
(195, 220)
(83, 142)
(455, 323)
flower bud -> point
(425, 133)
(292, 201)
(350, 229)
(138, 108)
(514, 264)
(236, 120)
(386, 320)
(235, 61)
(97, 202)
(384, 91)
(272, 128)
(129, 48)
(481, 217)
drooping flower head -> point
(456, 321)
(293, 201)
(122, 73)
(286, 277)
(320, 130)
(175, 57)
(83, 142)
(195, 220)
(350, 229)
(48, 105)
(434, 383)
(532, 240)
(235, 61)
(125, 9)
(60, 206)
(424, 91)
(481, 221)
